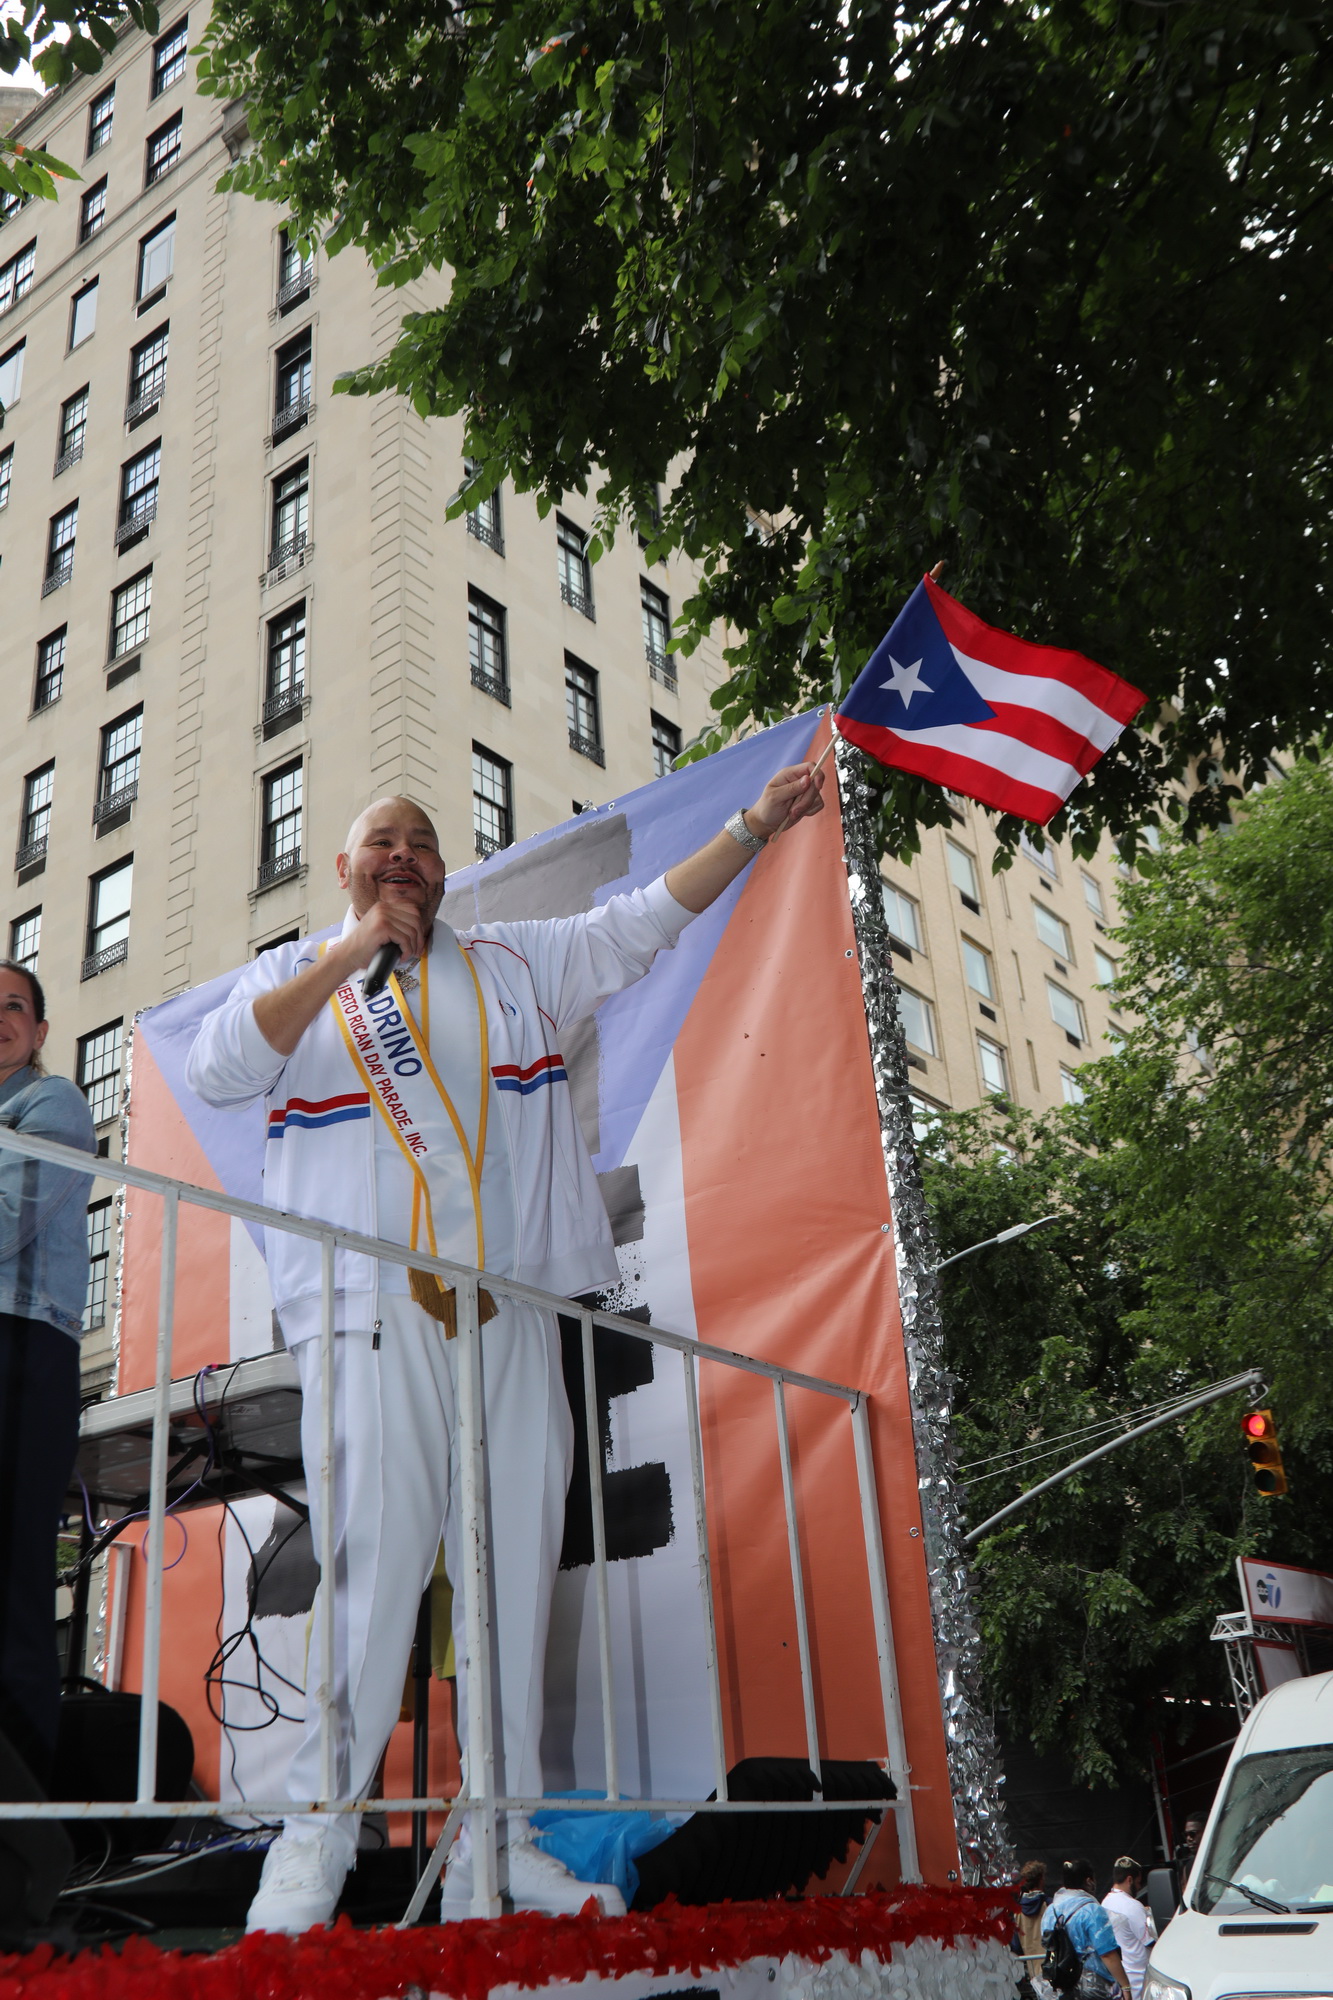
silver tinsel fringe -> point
(974, 1767)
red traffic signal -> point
(1259, 1433)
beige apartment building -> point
(232, 611)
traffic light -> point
(1264, 1452)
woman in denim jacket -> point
(43, 1285)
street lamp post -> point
(1005, 1236)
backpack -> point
(1062, 1966)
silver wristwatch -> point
(741, 833)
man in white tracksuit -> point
(438, 1115)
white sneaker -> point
(302, 1880)
(537, 1881)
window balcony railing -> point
(290, 417)
(294, 290)
(587, 746)
(286, 558)
(59, 572)
(660, 666)
(491, 684)
(486, 531)
(578, 599)
(102, 961)
(68, 458)
(136, 522)
(143, 405)
(114, 802)
(278, 867)
(487, 845)
(33, 850)
(279, 707)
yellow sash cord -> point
(427, 1289)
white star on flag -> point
(906, 681)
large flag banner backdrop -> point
(729, 1101)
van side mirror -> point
(1163, 1895)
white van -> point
(1258, 1915)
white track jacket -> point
(537, 979)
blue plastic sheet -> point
(601, 1847)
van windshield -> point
(1275, 1833)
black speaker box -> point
(97, 1757)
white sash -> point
(435, 1104)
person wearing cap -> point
(1129, 1920)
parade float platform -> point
(903, 1944)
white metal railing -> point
(478, 1796)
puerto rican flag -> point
(1014, 726)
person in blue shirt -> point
(43, 1286)
(1090, 1932)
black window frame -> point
(144, 611)
(294, 361)
(140, 486)
(101, 1224)
(171, 53)
(29, 959)
(484, 521)
(160, 157)
(583, 686)
(655, 611)
(118, 765)
(147, 385)
(101, 120)
(92, 1057)
(146, 295)
(573, 566)
(281, 552)
(23, 266)
(488, 641)
(50, 668)
(37, 804)
(60, 552)
(488, 811)
(286, 632)
(666, 737)
(280, 863)
(71, 436)
(293, 285)
(92, 219)
(88, 291)
(6, 474)
(99, 955)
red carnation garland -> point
(468, 1960)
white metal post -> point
(705, 1576)
(327, 1691)
(477, 1605)
(797, 1578)
(895, 1739)
(157, 1500)
(610, 1753)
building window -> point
(1040, 852)
(492, 801)
(99, 1264)
(583, 710)
(1105, 966)
(139, 478)
(977, 969)
(11, 204)
(280, 851)
(925, 1117)
(1052, 930)
(99, 1071)
(169, 53)
(291, 398)
(271, 944)
(50, 669)
(101, 114)
(83, 315)
(163, 151)
(108, 918)
(11, 376)
(6, 473)
(963, 874)
(486, 646)
(655, 612)
(148, 375)
(666, 746)
(1092, 896)
(92, 210)
(483, 520)
(35, 823)
(118, 766)
(157, 257)
(918, 1019)
(16, 275)
(131, 605)
(994, 1070)
(73, 431)
(1071, 1087)
(25, 937)
(1066, 1012)
(575, 569)
(291, 514)
(902, 916)
(284, 672)
(294, 272)
(60, 548)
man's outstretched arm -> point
(791, 794)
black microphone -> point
(380, 970)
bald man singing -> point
(437, 1114)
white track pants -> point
(397, 1490)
